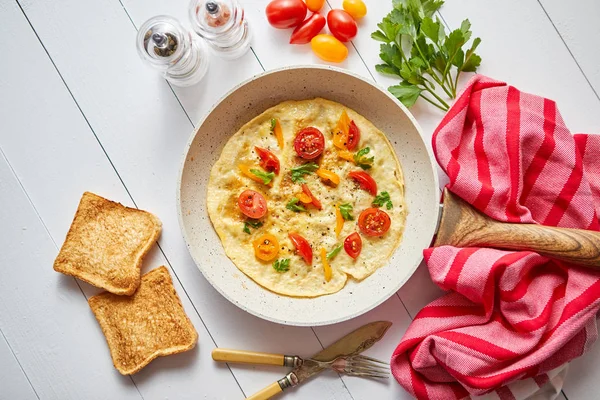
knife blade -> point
(353, 343)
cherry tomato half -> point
(342, 25)
(353, 136)
(353, 245)
(308, 29)
(356, 8)
(365, 181)
(374, 222)
(252, 204)
(266, 247)
(302, 247)
(309, 143)
(328, 48)
(315, 202)
(314, 5)
(268, 160)
(284, 14)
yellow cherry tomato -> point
(314, 5)
(326, 266)
(266, 247)
(330, 176)
(328, 48)
(356, 8)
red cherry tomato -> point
(302, 247)
(365, 181)
(342, 25)
(284, 14)
(309, 143)
(252, 204)
(353, 136)
(268, 160)
(374, 222)
(308, 29)
(353, 245)
(315, 201)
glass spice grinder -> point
(223, 24)
(167, 46)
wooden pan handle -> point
(266, 393)
(247, 357)
(464, 226)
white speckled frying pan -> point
(249, 100)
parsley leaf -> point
(301, 170)
(282, 265)
(266, 177)
(334, 252)
(294, 206)
(416, 48)
(251, 223)
(383, 198)
(361, 160)
(345, 210)
(273, 123)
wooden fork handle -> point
(248, 357)
(464, 226)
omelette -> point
(306, 196)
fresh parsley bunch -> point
(417, 49)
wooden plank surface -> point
(13, 380)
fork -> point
(352, 365)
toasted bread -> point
(106, 243)
(149, 324)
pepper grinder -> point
(223, 25)
(167, 46)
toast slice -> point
(106, 243)
(149, 324)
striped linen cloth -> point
(509, 316)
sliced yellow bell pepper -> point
(339, 221)
(328, 176)
(326, 267)
(346, 155)
(304, 198)
(245, 170)
(278, 134)
(340, 134)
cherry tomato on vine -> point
(342, 25)
(308, 29)
(286, 13)
(356, 8)
(314, 5)
(328, 48)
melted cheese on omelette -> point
(317, 226)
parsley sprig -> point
(282, 265)
(251, 223)
(383, 198)
(294, 206)
(361, 159)
(266, 177)
(301, 170)
(334, 252)
(417, 49)
(346, 210)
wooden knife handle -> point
(267, 392)
(464, 226)
(247, 357)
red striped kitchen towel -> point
(509, 315)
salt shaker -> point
(166, 45)
(223, 25)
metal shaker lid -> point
(211, 18)
(162, 40)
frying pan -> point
(460, 225)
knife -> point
(352, 344)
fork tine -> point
(368, 370)
(361, 357)
(366, 375)
(367, 365)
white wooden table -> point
(79, 111)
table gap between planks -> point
(81, 112)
